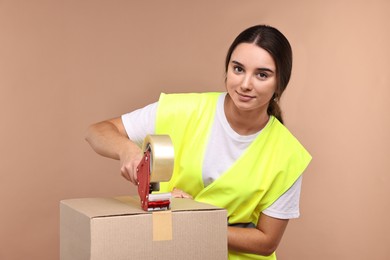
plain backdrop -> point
(67, 64)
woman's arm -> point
(262, 240)
(109, 139)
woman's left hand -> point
(178, 193)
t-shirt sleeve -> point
(287, 205)
(141, 122)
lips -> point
(243, 97)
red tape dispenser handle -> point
(143, 174)
(156, 165)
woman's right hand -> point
(109, 138)
(128, 165)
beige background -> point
(66, 64)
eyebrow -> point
(261, 69)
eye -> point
(237, 69)
(262, 75)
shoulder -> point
(282, 134)
(192, 110)
(284, 142)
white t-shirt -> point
(225, 147)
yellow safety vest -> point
(267, 169)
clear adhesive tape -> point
(162, 157)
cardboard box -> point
(117, 228)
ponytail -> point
(274, 110)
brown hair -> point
(277, 45)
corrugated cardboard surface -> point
(117, 228)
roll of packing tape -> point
(162, 157)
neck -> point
(245, 122)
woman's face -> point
(251, 78)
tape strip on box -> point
(162, 225)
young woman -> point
(231, 149)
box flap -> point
(102, 207)
(127, 205)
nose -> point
(246, 83)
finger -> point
(132, 179)
(135, 175)
(186, 195)
(177, 193)
(127, 175)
